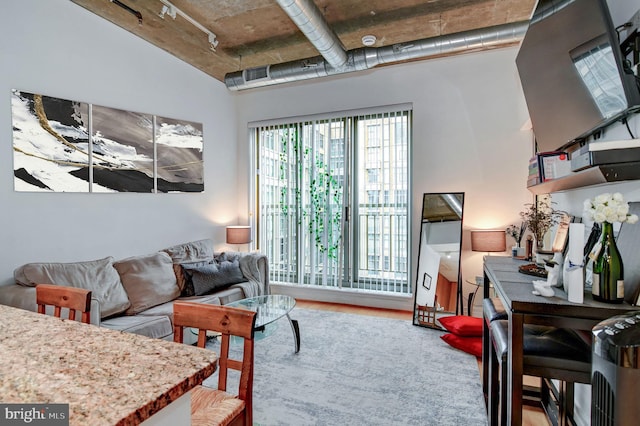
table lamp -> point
(239, 234)
(488, 241)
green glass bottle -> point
(608, 270)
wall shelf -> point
(595, 175)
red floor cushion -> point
(470, 345)
(462, 325)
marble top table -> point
(107, 377)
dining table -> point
(102, 376)
(515, 291)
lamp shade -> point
(488, 240)
(238, 234)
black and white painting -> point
(122, 146)
(50, 143)
(127, 151)
(179, 154)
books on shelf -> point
(546, 166)
(534, 172)
(553, 165)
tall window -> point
(331, 200)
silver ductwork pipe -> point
(366, 58)
(311, 22)
(454, 203)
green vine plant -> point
(323, 224)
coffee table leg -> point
(296, 332)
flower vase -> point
(608, 270)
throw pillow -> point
(183, 273)
(149, 280)
(229, 265)
(462, 325)
(213, 276)
(99, 276)
(195, 251)
(470, 345)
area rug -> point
(362, 370)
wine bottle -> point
(608, 270)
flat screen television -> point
(572, 72)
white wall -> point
(57, 48)
(468, 113)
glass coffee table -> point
(271, 308)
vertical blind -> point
(332, 199)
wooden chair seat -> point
(217, 406)
(71, 298)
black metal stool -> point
(548, 353)
(492, 310)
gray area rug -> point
(361, 370)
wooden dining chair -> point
(217, 406)
(71, 298)
(426, 315)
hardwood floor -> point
(531, 416)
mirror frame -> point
(427, 280)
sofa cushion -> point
(158, 327)
(166, 309)
(149, 280)
(194, 252)
(99, 276)
(219, 274)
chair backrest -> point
(229, 322)
(74, 299)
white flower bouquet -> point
(609, 208)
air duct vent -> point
(257, 73)
(369, 57)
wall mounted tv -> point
(572, 72)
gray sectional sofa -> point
(136, 294)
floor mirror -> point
(438, 286)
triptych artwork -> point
(61, 145)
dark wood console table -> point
(523, 307)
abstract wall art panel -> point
(122, 146)
(127, 151)
(50, 143)
(179, 154)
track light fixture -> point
(169, 9)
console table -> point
(523, 307)
(107, 377)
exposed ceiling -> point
(253, 33)
(442, 207)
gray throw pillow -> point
(99, 276)
(187, 289)
(213, 276)
(149, 280)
